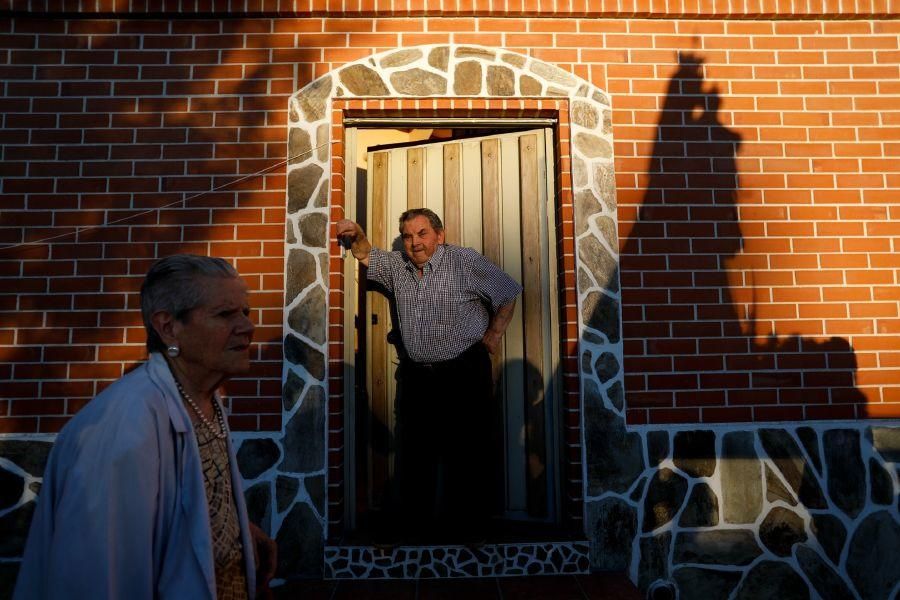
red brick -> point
(674, 415)
(778, 413)
(20, 408)
(18, 425)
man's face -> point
(420, 239)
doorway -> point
(493, 185)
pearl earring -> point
(173, 351)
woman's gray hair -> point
(175, 284)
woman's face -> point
(215, 337)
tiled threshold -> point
(456, 561)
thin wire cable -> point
(182, 201)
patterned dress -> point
(231, 580)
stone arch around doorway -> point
(448, 80)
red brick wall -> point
(759, 220)
(744, 253)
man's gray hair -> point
(412, 213)
(175, 284)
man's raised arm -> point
(352, 235)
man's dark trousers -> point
(445, 418)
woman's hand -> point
(265, 553)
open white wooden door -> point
(494, 194)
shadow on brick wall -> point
(695, 349)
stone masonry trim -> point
(433, 71)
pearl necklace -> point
(206, 422)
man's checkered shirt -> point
(449, 308)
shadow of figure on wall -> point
(694, 339)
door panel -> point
(451, 192)
(415, 177)
(470, 209)
(513, 380)
(532, 307)
(379, 376)
(493, 194)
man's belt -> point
(436, 365)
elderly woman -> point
(142, 496)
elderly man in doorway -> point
(453, 306)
